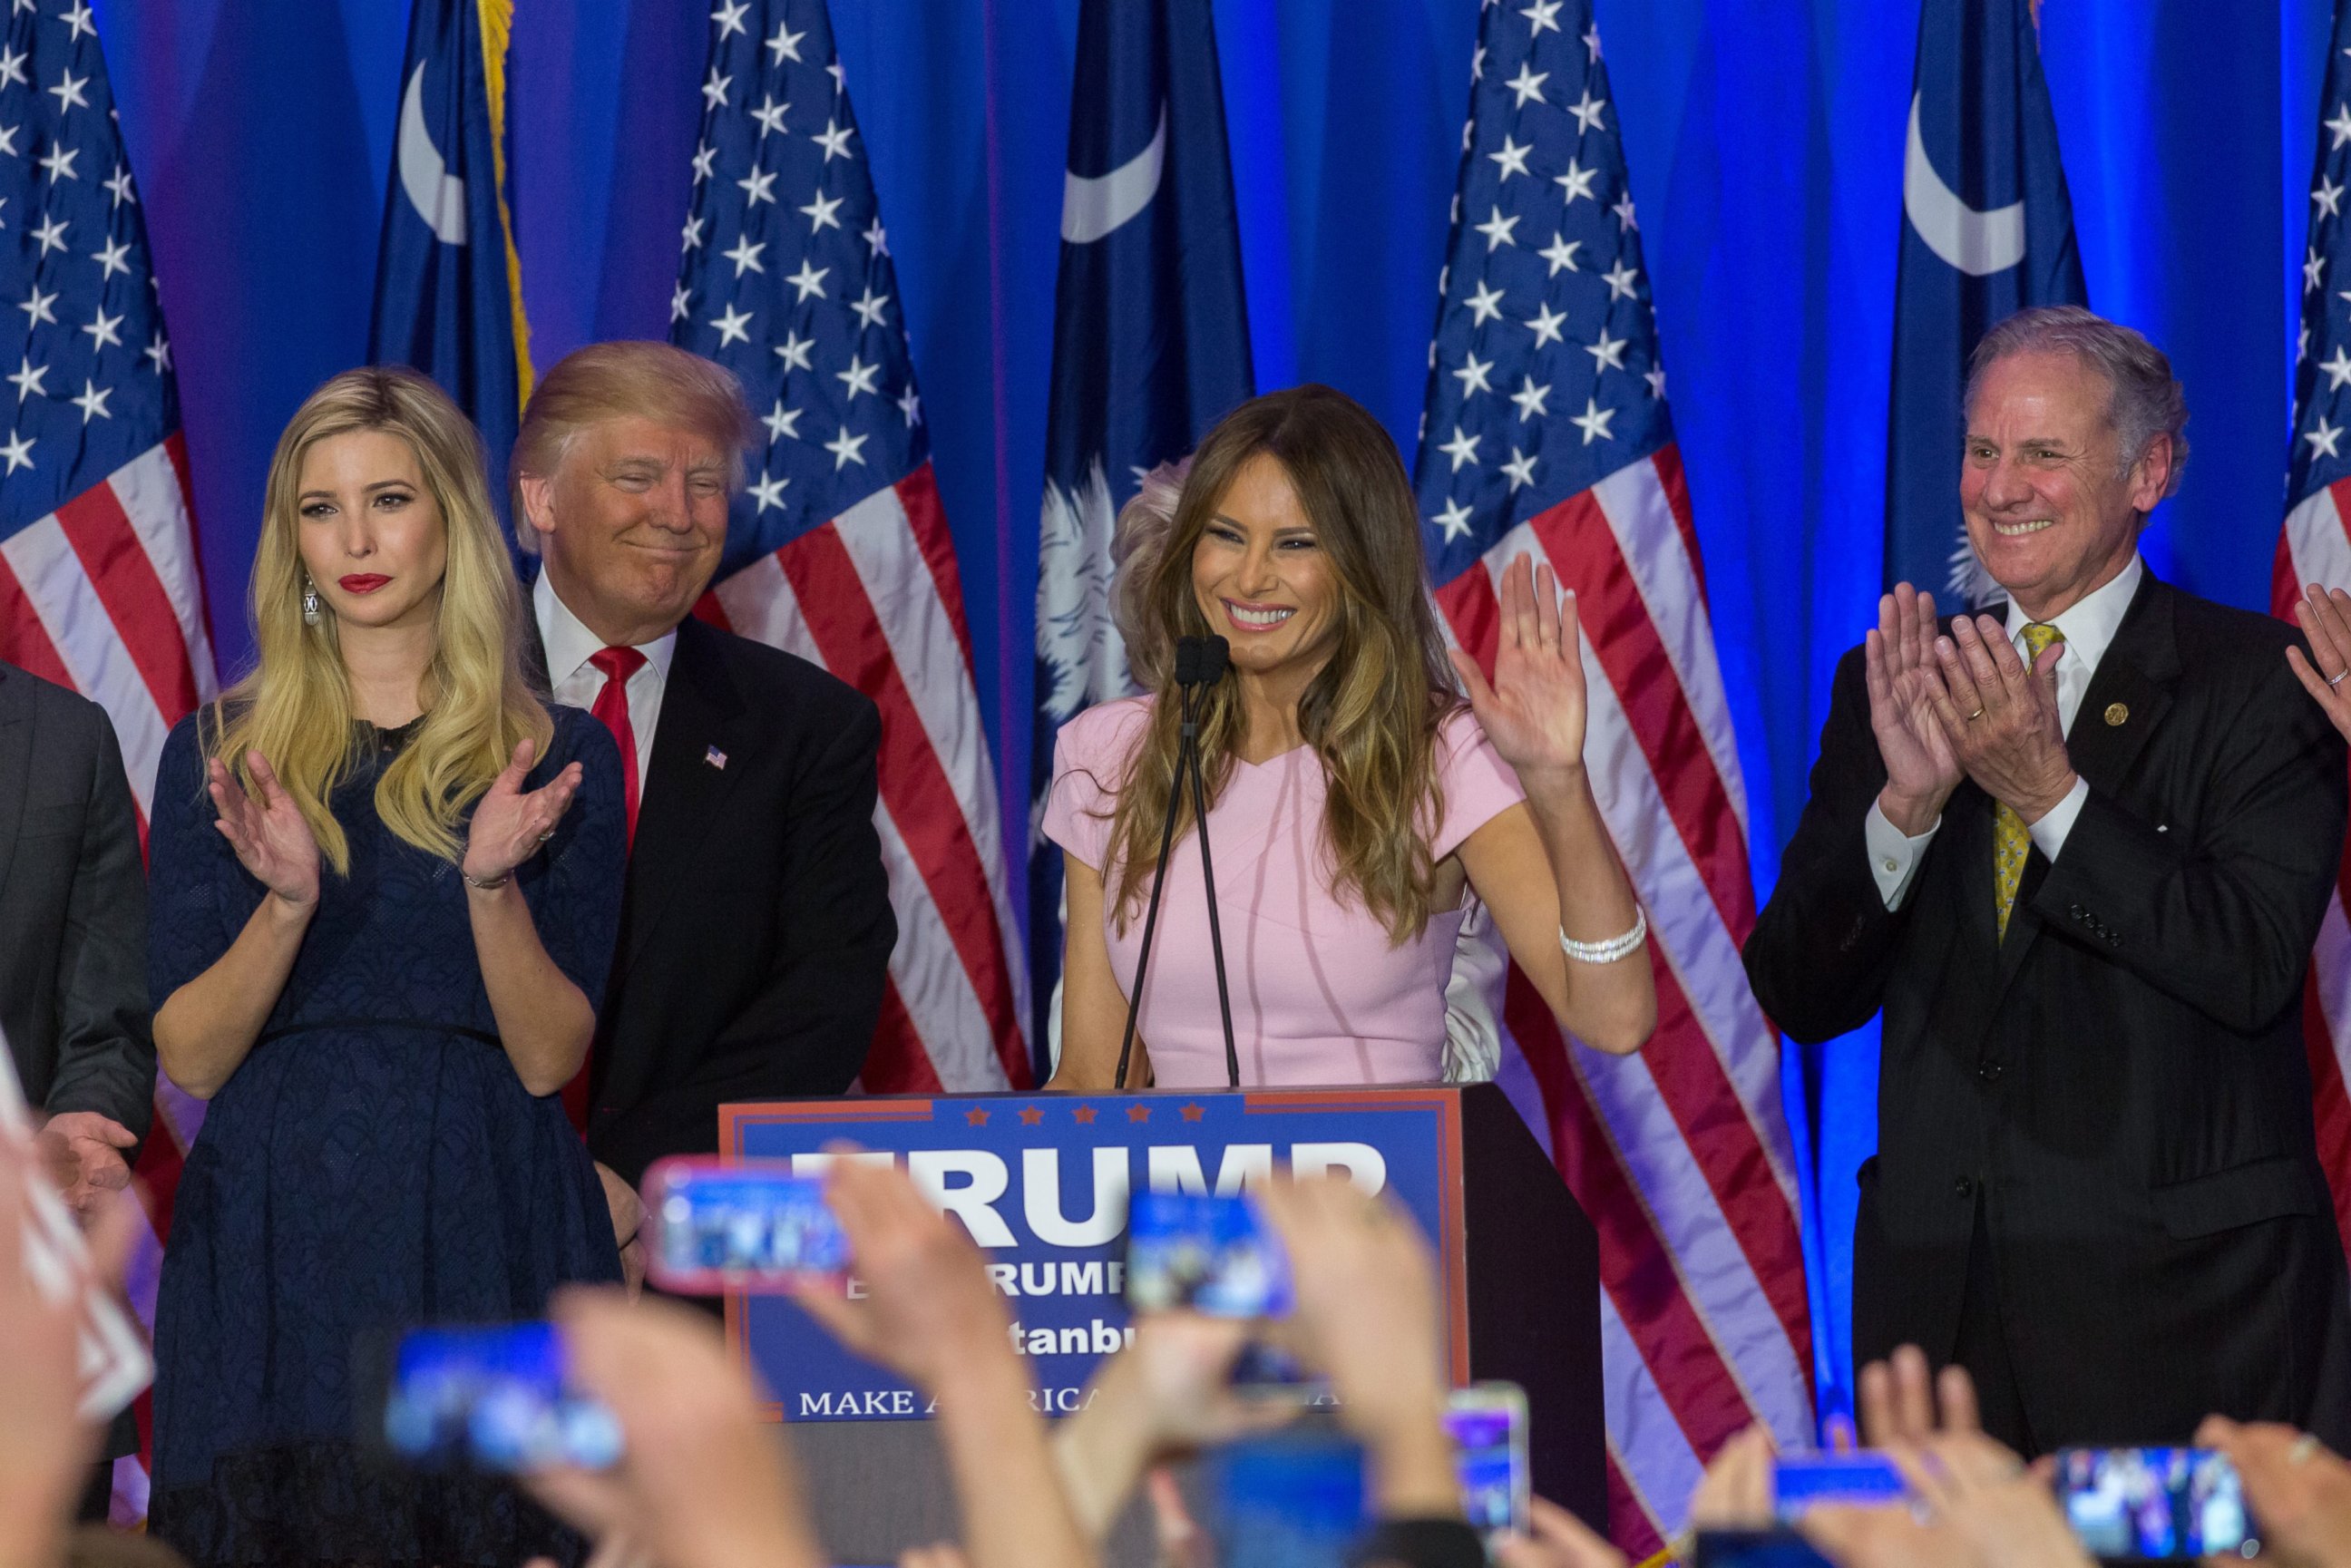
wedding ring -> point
(1977, 715)
(2336, 678)
(547, 835)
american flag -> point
(1546, 432)
(840, 551)
(99, 588)
(2316, 547)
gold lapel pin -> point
(2117, 713)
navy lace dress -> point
(373, 1162)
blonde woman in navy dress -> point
(386, 878)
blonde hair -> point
(1371, 714)
(295, 707)
(628, 378)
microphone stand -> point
(1216, 654)
(1187, 681)
(1200, 663)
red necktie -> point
(611, 706)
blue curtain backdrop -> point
(1766, 151)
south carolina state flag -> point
(448, 290)
(1986, 229)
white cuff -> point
(1894, 855)
(2049, 832)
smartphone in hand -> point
(1213, 1255)
(1862, 1479)
(492, 1397)
(2154, 1504)
(714, 1225)
(1487, 1424)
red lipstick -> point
(362, 581)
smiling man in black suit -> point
(755, 928)
(2076, 850)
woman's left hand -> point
(510, 825)
(1533, 713)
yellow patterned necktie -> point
(2011, 840)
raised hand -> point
(1556, 1539)
(1370, 1316)
(509, 824)
(271, 838)
(928, 1309)
(706, 1482)
(2324, 616)
(1898, 660)
(2299, 1489)
(1903, 1401)
(1535, 710)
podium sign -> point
(1042, 1184)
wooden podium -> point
(1519, 1263)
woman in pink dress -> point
(1356, 805)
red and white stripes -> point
(874, 597)
(103, 596)
(1679, 1155)
(2316, 547)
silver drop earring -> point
(309, 603)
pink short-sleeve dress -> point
(1320, 995)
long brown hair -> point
(1371, 714)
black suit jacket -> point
(2121, 1087)
(73, 908)
(755, 926)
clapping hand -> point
(510, 824)
(1898, 660)
(1535, 710)
(2000, 717)
(2324, 616)
(269, 834)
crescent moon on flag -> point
(438, 196)
(1977, 242)
(1094, 207)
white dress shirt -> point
(2089, 629)
(575, 682)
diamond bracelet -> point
(1616, 947)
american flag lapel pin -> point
(715, 757)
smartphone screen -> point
(717, 1226)
(1799, 1481)
(1487, 1423)
(496, 1398)
(1295, 1499)
(2155, 1503)
(1209, 1254)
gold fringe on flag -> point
(497, 31)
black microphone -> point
(1199, 663)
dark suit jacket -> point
(73, 908)
(756, 927)
(2121, 1086)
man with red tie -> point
(756, 927)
